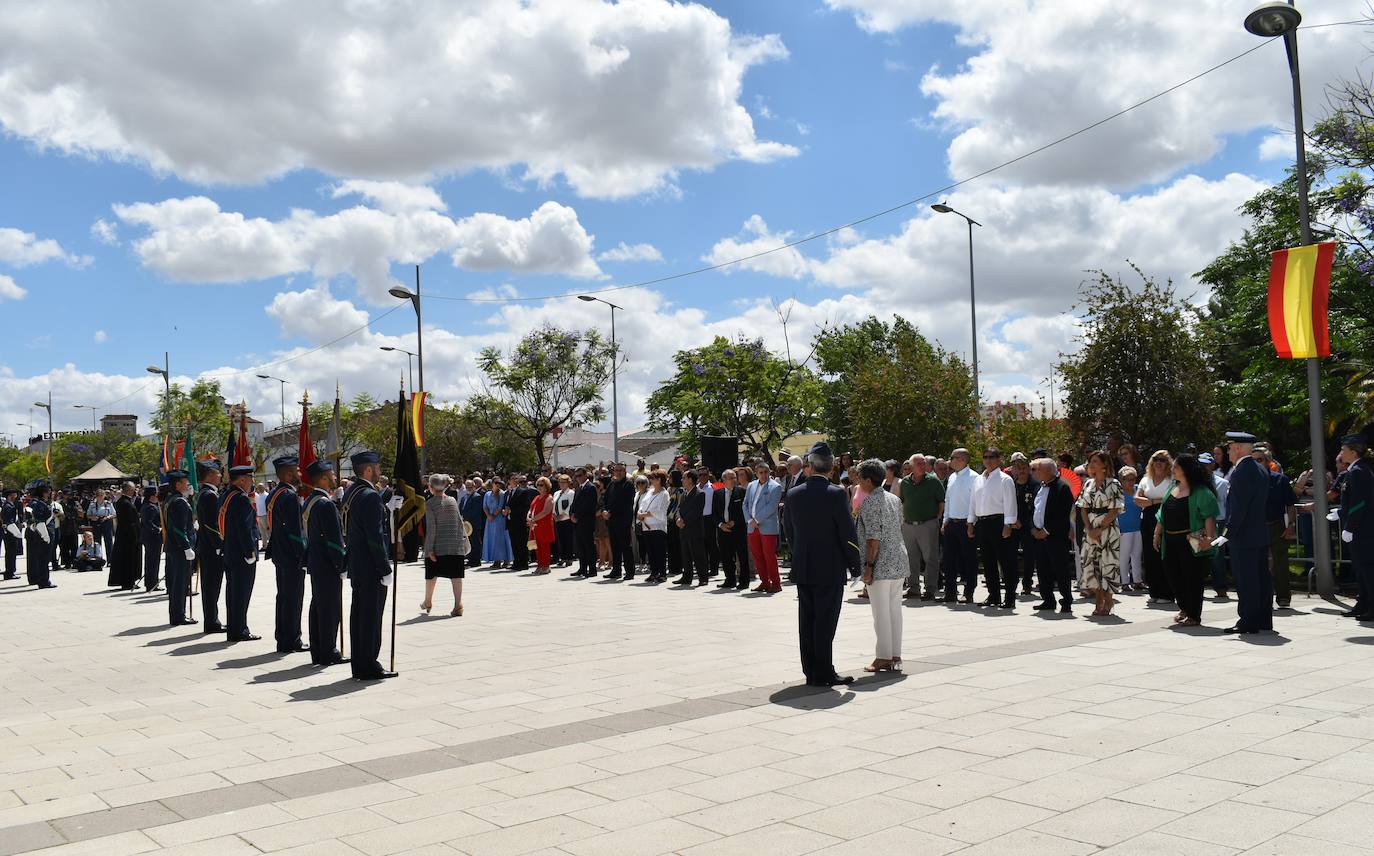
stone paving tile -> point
(1234, 824)
(980, 820)
(659, 836)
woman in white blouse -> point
(565, 531)
(653, 516)
(1149, 494)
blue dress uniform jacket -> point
(369, 561)
(14, 546)
(286, 548)
(1357, 518)
(825, 546)
(38, 565)
(326, 561)
(1248, 534)
(178, 536)
(238, 526)
(208, 547)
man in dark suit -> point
(209, 543)
(519, 500)
(124, 564)
(471, 510)
(369, 565)
(150, 534)
(793, 478)
(1248, 534)
(584, 508)
(824, 546)
(238, 524)
(12, 522)
(713, 514)
(619, 507)
(1051, 527)
(691, 521)
(732, 535)
(1356, 519)
(326, 561)
(286, 549)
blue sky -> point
(193, 159)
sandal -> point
(457, 610)
(896, 664)
(879, 666)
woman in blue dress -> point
(495, 539)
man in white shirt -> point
(992, 517)
(260, 506)
(960, 563)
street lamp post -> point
(410, 362)
(166, 372)
(283, 397)
(90, 407)
(615, 398)
(403, 293)
(1269, 20)
(47, 407)
(942, 208)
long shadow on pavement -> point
(248, 662)
(291, 674)
(328, 691)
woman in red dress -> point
(541, 525)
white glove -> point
(1347, 536)
(190, 555)
(253, 559)
(343, 575)
(386, 580)
(1334, 515)
(395, 503)
(44, 533)
(14, 530)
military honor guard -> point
(327, 562)
(238, 527)
(369, 565)
(1356, 517)
(824, 547)
(41, 536)
(150, 535)
(286, 549)
(209, 544)
(12, 521)
(178, 532)
(1248, 534)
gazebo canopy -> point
(103, 471)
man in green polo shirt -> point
(923, 505)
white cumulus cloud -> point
(9, 289)
(755, 237)
(99, 338)
(21, 249)
(614, 98)
(624, 252)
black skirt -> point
(448, 567)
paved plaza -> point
(610, 719)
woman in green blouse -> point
(1187, 527)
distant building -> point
(1006, 410)
(255, 429)
(123, 423)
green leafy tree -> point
(23, 469)
(890, 392)
(553, 378)
(199, 410)
(1141, 375)
(737, 389)
(1012, 432)
(1257, 388)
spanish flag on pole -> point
(1299, 282)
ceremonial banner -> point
(417, 417)
(331, 439)
(1299, 282)
(406, 473)
(306, 454)
(243, 453)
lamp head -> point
(941, 208)
(40, 404)
(155, 370)
(587, 297)
(387, 348)
(265, 377)
(400, 293)
(1274, 18)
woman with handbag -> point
(446, 543)
(1187, 527)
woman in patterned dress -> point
(1098, 506)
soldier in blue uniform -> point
(12, 524)
(824, 545)
(41, 535)
(326, 560)
(150, 536)
(178, 533)
(286, 549)
(238, 526)
(1356, 517)
(369, 565)
(1248, 534)
(209, 543)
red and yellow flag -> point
(1299, 282)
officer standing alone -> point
(1248, 534)
(42, 536)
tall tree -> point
(1256, 386)
(553, 378)
(736, 389)
(891, 392)
(1140, 375)
(199, 410)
